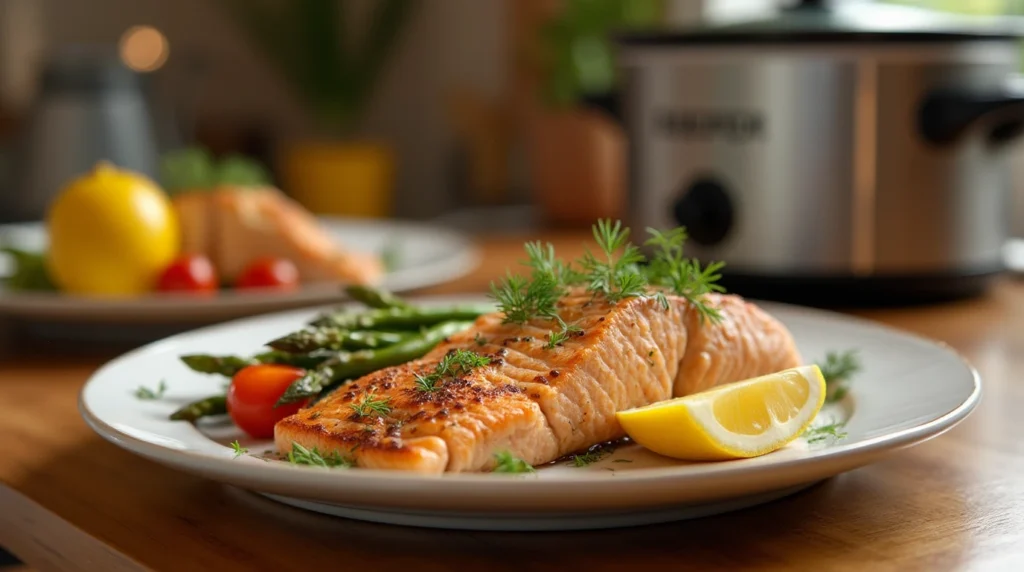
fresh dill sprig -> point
(557, 338)
(619, 270)
(837, 370)
(832, 431)
(456, 362)
(239, 449)
(461, 361)
(588, 458)
(146, 393)
(521, 300)
(617, 276)
(541, 258)
(509, 463)
(592, 455)
(427, 383)
(684, 277)
(512, 299)
(370, 405)
(300, 455)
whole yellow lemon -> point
(111, 233)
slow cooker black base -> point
(858, 291)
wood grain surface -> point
(69, 500)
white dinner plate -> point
(424, 255)
(910, 389)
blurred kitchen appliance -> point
(89, 108)
(838, 153)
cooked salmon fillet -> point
(234, 226)
(196, 220)
(541, 404)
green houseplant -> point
(576, 48)
(577, 151)
(335, 72)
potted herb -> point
(308, 40)
(577, 151)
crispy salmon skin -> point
(538, 402)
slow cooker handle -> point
(946, 113)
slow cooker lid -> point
(849, 21)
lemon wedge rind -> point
(692, 427)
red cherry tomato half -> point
(189, 273)
(253, 393)
(278, 273)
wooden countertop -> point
(69, 500)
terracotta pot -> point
(339, 178)
(577, 166)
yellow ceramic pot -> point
(339, 178)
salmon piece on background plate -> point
(233, 226)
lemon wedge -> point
(743, 419)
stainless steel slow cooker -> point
(840, 151)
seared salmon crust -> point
(535, 402)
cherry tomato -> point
(279, 273)
(189, 273)
(253, 393)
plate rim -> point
(299, 476)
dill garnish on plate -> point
(300, 455)
(837, 369)
(509, 463)
(832, 432)
(148, 394)
(238, 448)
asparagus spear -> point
(339, 368)
(399, 318)
(375, 298)
(223, 365)
(335, 339)
(228, 366)
(214, 405)
(305, 360)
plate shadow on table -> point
(830, 522)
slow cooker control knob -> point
(706, 211)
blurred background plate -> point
(419, 255)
